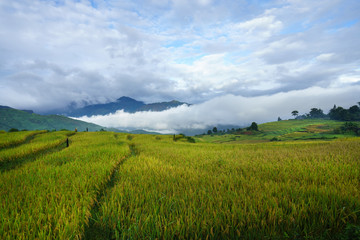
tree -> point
(316, 113)
(354, 109)
(339, 113)
(215, 130)
(279, 119)
(295, 113)
(253, 127)
(209, 132)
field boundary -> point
(22, 142)
(8, 164)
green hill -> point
(304, 129)
(13, 118)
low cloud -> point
(230, 109)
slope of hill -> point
(305, 129)
(13, 118)
(124, 103)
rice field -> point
(10, 139)
(119, 186)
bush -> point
(274, 139)
(13, 130)
(348, 127)
(190, 139)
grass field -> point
(286, 130)
(118, 186)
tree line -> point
(336, 113)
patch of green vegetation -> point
(12, 120)
(286, 130)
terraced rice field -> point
(118, 186)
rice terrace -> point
(294, 179)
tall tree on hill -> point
(253, 127)
(295, 113)
(215, 130)
(354, 112)
(339, 113)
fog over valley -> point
(229, 110)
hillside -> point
(286, 130)
(13, 118)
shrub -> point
(13, 130)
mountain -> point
(13, 118)
(158, 107)
(127, 104)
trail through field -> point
(94, 230)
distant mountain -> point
(144, 132)
(158, 107)
(13, 118)
(124, 103)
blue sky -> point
(54, 53)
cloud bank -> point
(230, 110)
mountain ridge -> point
(127, 104)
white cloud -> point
(325, 57)
(259, 28)
(169, 49)
(230, 109)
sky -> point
(235, 61)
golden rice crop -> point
(8, 139)
(51, 197)
(180, 190)
(39, 143)
(252, 191)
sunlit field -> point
(118, 186)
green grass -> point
(286, 130)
